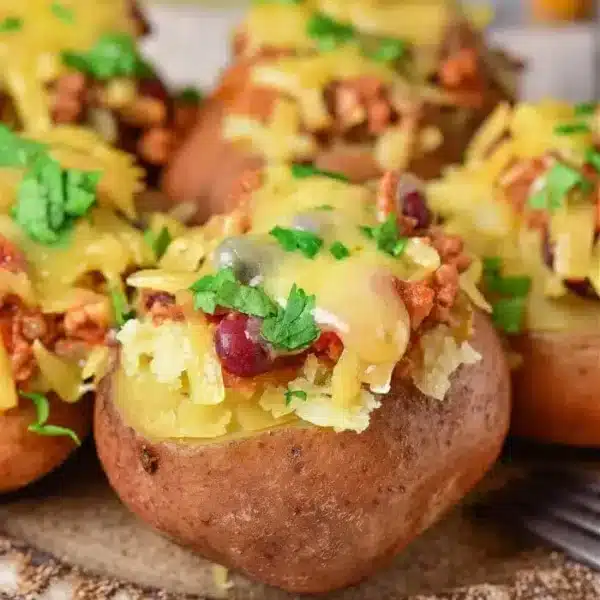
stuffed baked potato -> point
(527, 202)
(354, 87)
(63, 253)
(307, 385)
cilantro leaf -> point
(16, 151)
(291, 394)
(113, 55)
(11, 24)
(571, 128)
(293, 327)
(40, 426)
(62, 12)
(305, 171)
(121, 308)
(291, 240)
(50, 199)
(560, 180)
(223, 289)
(387, 236)
(339, 251)
(159, 243)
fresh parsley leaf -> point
(388, 50)
(11, 24)
(291, 394)
(508, 314)
(329, 33)
(121, 308)
(40, 426)
(223, 290)
(592, 157)
(339, 251)
(293, 327)
(16, 151)
(190, 95)
(491, 265)
(305, 171)
(64, 13)
(291, 240)
(50, 199)
(159, 243)
(114, 55)
(559, 181)
(515, 286)
(571, 128)
(387, 236)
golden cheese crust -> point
(309, 510)
(26, 457)
(556, 388)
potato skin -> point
(309, 510)
(26, 457)
(557, 388)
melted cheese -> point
(31, 56)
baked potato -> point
(526, 200)
(312, 390)
(63, 254)
(356, 87)
(62, 63)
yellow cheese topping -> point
(30, 54)
(355, 297)
(479, 203)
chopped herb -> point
(121, 308)
(223, 290)
(114, 55)
(388, 50)
(304, 171)
(293, 327)
(159, 243)
(328, 33)
(492, 265)
(324, 207)
(64, 13)
(508, 314)
(560, 180)
(387, 236)
(50, 199)
(16, 151)
(291, 240)
(40, 426)
(291, 394)
(592, 157)
(190, 95)
(571, 128)
(585, 109)
(509, 286)
(339, 251)
(11, 24)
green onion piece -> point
(122, 311)
(11, 24)
(388, 50)
(491, 264)
(159, 243)
(560, 180)
(40, 426)
(515, 286)
(592, 157)
(508, 314)
(339, 251)
(291, 394)
(62, 12)
(305, 171)
(328, 33)
(571, 128)
(585, 109)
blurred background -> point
(558, 39)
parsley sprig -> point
(306, 242)
(509, 294)
(40, 425)
(113, 55)
(560, 180)
(387, 236)
(291, 394)
(50, 199)
(339, 250)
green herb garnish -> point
(40, 426)
(114, 55)
(11, 24)
(293, 327)
(223, 290)
(387, 236)
(62, 12)
(16, 151)
(339, 251)
(508, 314)
(585, 109)
(291, 240)
(328, 33)
(121, 308)
(291, 394)
(190, 95)
(592, 157)
(388, 50)
(304, 171)
(559, 181)
(158, 242)
(50, 199)
(571, 128)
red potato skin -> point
(309, 510)
(557, 388)
(26, 457)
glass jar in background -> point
(562, 10)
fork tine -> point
(576, 517)
(583, 499)
(573, 542)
